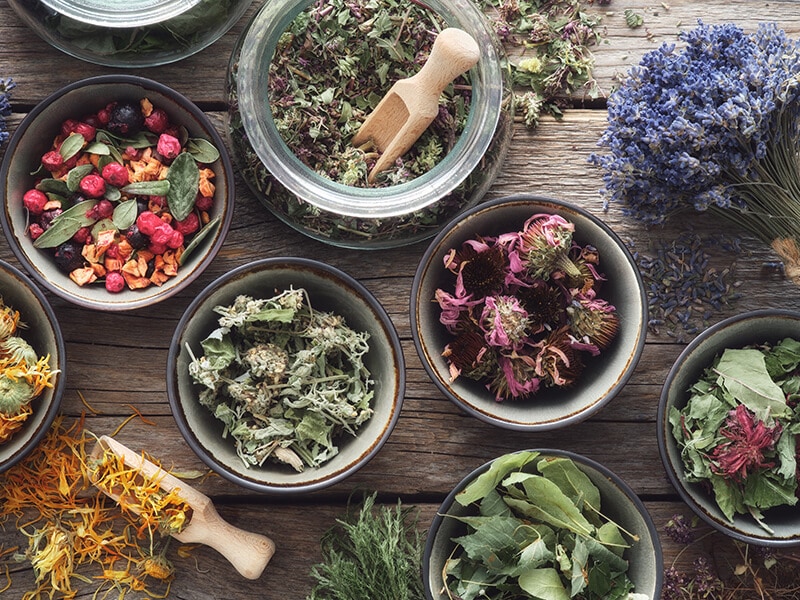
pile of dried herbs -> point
(737, 433)
(332, 66)
(376, 554)
(286, 380)
(549, 43)
(538, 532)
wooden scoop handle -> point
(248, 552)
(454, 52)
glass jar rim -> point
(259, 43)
(120, 13)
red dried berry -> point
(112, 251)
(176, 241)
(168, 146)
(35, 230)
(162, 234)
(52, 161)
(157, 249)
(104, 209)
(92, 186)
(204, 202)
(83, 235)
(34, 201)
(87, 131)
(147, 222)
(157, 121)
(115, 282)
(68, 127)
(115, 174)
(103, 115)
(189, 225)
(157, 202)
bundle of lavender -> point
(713, 126)
(6, 85)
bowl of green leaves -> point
(285, 375)
(728, 420)
(542, 523)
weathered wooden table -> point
(118, 360)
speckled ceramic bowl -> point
(618, 502)
(756, 327)
(33, 137)
(329, 290)
(43, 333)
(549, 408)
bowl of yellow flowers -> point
(32, 361)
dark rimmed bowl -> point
(329, 289)
(43, 333)
(619, 503)
(33, 138)
(754, 327)
(550, 408)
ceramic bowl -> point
(329, 290)
(618, 502)
(552, 407)
(34, 136)
(43, 333)
(755, 327)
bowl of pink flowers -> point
(728, 421)
(117, 192)
(528, 313)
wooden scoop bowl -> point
(248, 552)
(412, 104)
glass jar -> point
(366, 217)
(130, 33)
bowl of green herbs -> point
(728, 420)
(542, 523)
(285, 375)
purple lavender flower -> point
(6, 85)
(701, 128)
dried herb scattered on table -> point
(737, 432)
(333, 65)
(549, 43)
(375, 554)
(24, 374)
(524, 309)
(539, 531)
(287, 381)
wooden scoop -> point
(248, 552)
(413, 103)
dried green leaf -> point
(202, 150)
(207, 229)
(184, 182)
(71, 145)
(147, 188)
(125, 214)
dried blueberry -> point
(125, 119)
(68, 256)
(136, 238)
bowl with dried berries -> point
(542, 523)
(32, 365)
(285, 375)
(728, 421)
(528, 313)
(117, 192)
